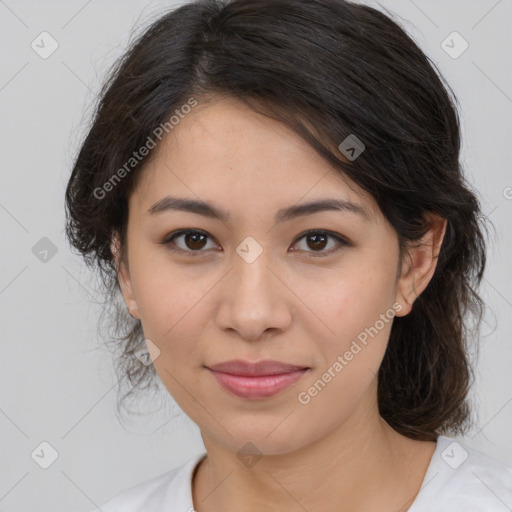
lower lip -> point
(257, 387)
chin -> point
(263, 440)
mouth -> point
(256, 380)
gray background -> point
(58, 384)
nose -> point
(255, 302)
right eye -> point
(191, 241)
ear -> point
(420, 264)
(123, 276)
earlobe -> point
(420, 264)
(124, 279)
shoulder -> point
(462, 478)
(169, 491)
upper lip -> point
(246, 368)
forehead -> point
(225, 151)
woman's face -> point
(260, 284)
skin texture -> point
(290, 304)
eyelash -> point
(168, 241)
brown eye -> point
(317, 241)
(195, 240)
(190, 241)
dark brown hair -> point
(328, 69)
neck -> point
(363, 465)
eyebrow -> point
(206, 209)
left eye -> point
(318, 240)
(194, 241)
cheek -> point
(360, 313)
(171, 305)
(348, 304)
(173, 315)
(357, 309)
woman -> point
(274, 187)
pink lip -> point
(256, 380)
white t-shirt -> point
(458, 479)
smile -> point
(257, 386)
